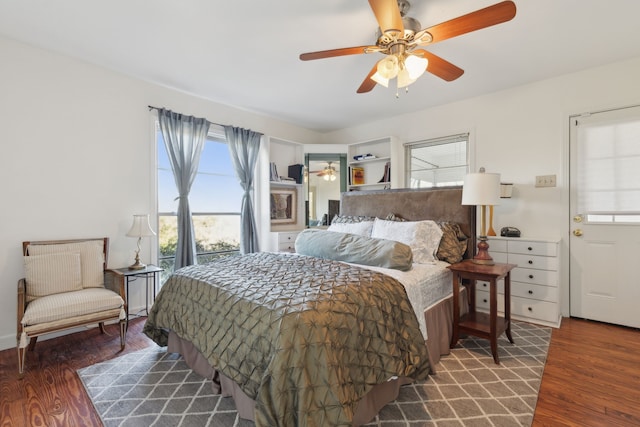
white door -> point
(605, 216)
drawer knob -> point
(484, 284)
(530, 308)
(530, 261)
(530, 292)
(484, 300)
(531, 276)
(530, 248)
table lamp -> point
(140, 228)
(482, 189)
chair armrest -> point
(115, 282)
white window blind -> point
(439, 162)
(608, 172)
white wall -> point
(520, 133)
(78, 150)
(78, 157)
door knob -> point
(577, 218)
(577, 232)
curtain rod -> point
(151, 107)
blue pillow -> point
(355, 249)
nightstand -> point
(150, 275)
(484, 325)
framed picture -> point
(283, 206)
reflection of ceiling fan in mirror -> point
(328, 173)
(400, 35)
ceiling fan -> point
(329, 172)
(400, 36)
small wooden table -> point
(483, 325)
(149, 273)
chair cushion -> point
(66, 305)
(91, 257)
(52, 274)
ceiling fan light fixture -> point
(380, 80)
(388, 67)
(404, 79)
(415, 66)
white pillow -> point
(52, 274)
(422, 236)
(91, 258)
(362, 228)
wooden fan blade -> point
(367, 83)
(483, 18)
(388, 15)
(440, 67)
(356, 50)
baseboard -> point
(9, 341)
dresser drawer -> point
(481, 285)
(532, 248)
(530, 275)
(522, 307)
(537, 292)
(537, 310)
(534, 261)
(482, 300)
(287, 247)
(497, 246)
(499, 257)
(288, 236)
(287, 241)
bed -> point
(301, 340)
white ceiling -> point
(244, 53)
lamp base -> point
(137, 265)
(483, 257)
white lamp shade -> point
(404, 79)
(140, 226)
(416, 66)
(481, 189)
(388, 67)
(380, 80)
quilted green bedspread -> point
(304, 337)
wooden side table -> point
(489, 326)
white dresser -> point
(286, 240)
(535, 294)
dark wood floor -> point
(592, 377)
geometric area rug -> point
(154, 388)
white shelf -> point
(285, 183)
(386, 151)
(377, 159)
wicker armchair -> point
(66, 285)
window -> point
(608, 177)
(214, 200)
(440, 162)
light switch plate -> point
(545, 181)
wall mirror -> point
(325, 179)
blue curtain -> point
(244, 145)
(184, 138)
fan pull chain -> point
(406, 90)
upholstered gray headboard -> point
(438, 204)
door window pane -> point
(608, 155)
